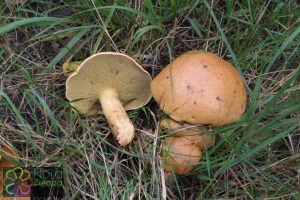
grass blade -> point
(66, 49)
(33, 21)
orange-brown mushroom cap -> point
(200, 88)
(198, 136)
(179, 155)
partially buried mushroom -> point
(198, 136)
(182, 155)
(182, 148)
(109, 83)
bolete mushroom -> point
(180, 155)
(110, 83)
(198, 136)
(200, 88)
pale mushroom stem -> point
(116, 116)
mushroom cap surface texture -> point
(180, 155)
(200, 88)
(108, 70)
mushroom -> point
(182, 150)
(180, 155)
(109, 83)
(197, 88)
(200, 88)
(198, 136)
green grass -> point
(257, 157)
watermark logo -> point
(17, 182)
(35, 182)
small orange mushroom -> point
(199, 136)
(180, 155)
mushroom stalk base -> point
(116, 116)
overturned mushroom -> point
(110, 83)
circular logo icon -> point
(17, 182)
